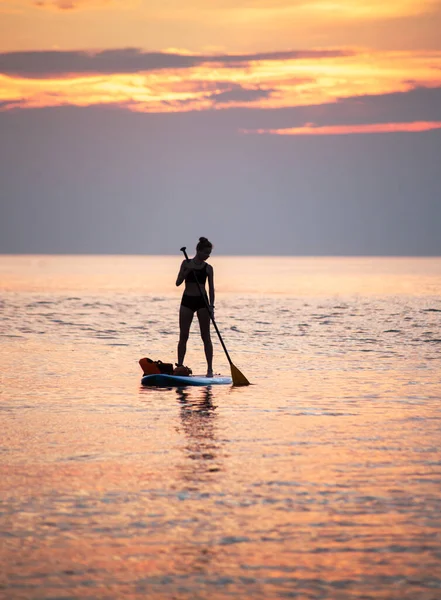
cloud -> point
(312, 129)
(418, 104)
(61, 4)
(239, 94)
(68, 5)
(402, 111)
(201, 82)
(58, 63)
(201, 85)
(422, 105)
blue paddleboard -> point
(163, 380)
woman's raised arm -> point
(183, 272)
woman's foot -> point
(209, 373)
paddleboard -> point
(163, 380)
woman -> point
(196, 271)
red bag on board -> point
(154, 367)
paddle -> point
(237, 376)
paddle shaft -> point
(204, 296)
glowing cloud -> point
(311, 129)
(162, 82)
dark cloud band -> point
(54, 63)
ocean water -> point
(320, 480)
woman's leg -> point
(185, 320)
(204, 324)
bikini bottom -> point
(194, 303)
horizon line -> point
(247, 255)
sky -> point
(280, 127)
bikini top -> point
(199, 275)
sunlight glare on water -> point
(320, 480)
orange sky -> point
(219, 25)
(357, 48)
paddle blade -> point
(238, 377)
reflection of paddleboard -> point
(163, 380)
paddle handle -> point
(184, 250)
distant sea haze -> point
(279, 275)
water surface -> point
(321, 480)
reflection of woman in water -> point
(201, 471)
(198, 419)
(195, 271)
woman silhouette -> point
(194, 271)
